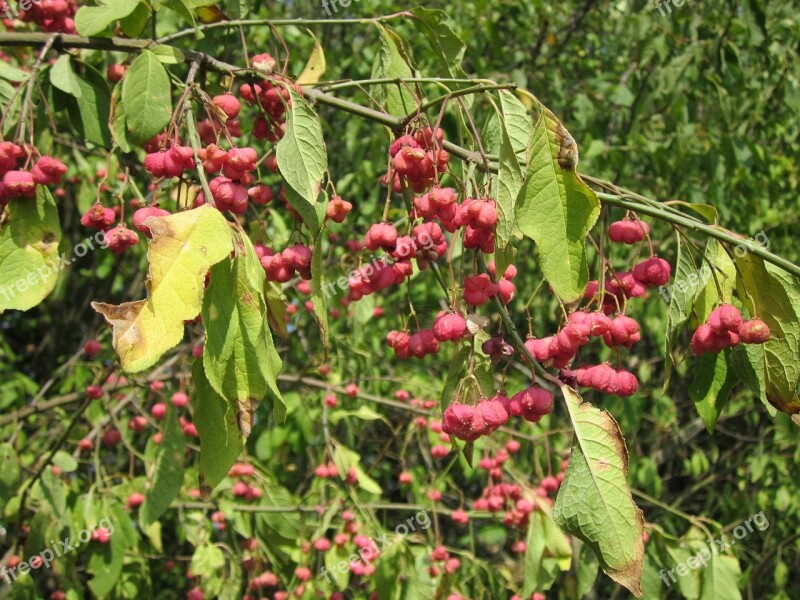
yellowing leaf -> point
(211, 14)
(315, 67)
(594, 502)
(184, 247)
(29, 251)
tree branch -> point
(395, 124)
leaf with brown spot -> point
(239, 356)
(184, 247)
(555, 208)
(594, 502)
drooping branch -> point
(208, 63)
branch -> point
(712, 231)
(395, 124)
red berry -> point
(48, 171)
(135, 500)
(179, 399)
(229, 105)
(120, 239)
(754, 332)
(479, 289)
(724, 318)
(145, 213)
(489, 415)
(116, 72)
(92, 348)
(623, 331)
(381, 235)
(653, 272)
(450, 327)
(19, 184)
(111, 438)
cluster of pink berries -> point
(604, 378)
(426, 243)
(479, 289)
(725, 328)
(281, 267)
(52, 16)
(468, 422)
(272, 97)
(16, 184)
(448, 564)
(652, 272)
(418, 158)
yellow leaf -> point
(211, 14)
(315, 67)
(184, 247)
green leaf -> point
(711, 386)
(239, 354)
(63, 77)
(318, 298)
(363, 412)
(90, 112)
(720, 579)
(519, 124)
(681, 294)
(345, 459)
(184, 10)
(390, 63)
(749, 364)
(221, 441)
(722, 277)
(302, 160)
(135, 23)
(119, 122)
(147, 97)
(168, 55)
(168, 476)
(588, 565)
(594, 502)
(455, 373)
(105, 563)
(184, 246)
(771, 294)
(9, 473)
(556, 209)
(547, 554)
(94, 20)
(9, 72)
(207, 560)
(29, 241)
(434, 24)
(509, 183)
